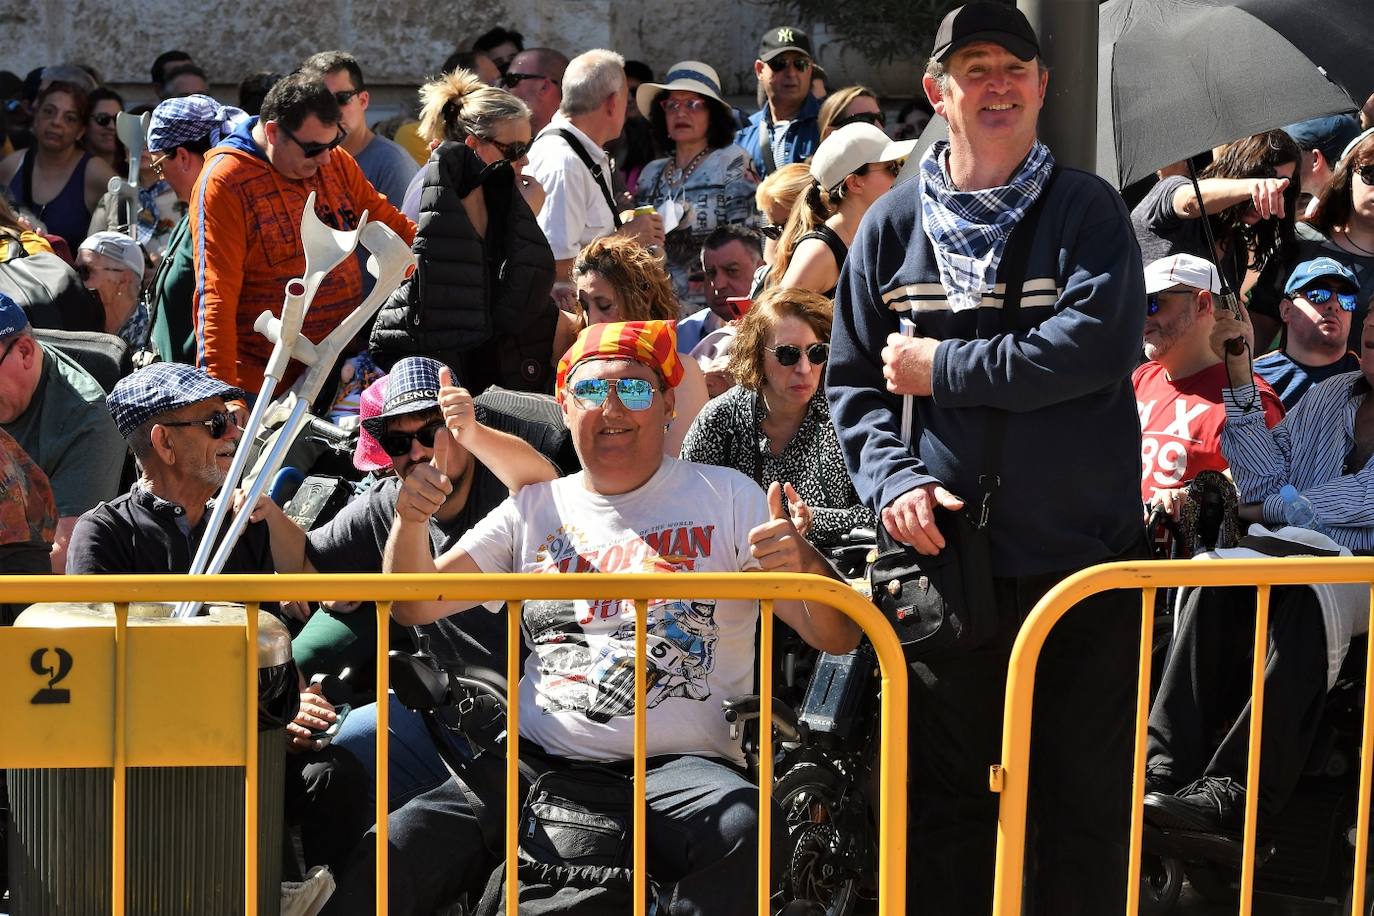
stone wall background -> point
(400, 43)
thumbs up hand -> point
(460, 413)
(776, 544)
(426, 487)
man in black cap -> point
(1013, 409)
(784, 130)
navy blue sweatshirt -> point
(1070, 464)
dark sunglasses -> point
(1152, 304)
(398, 444)
(864, 117)
(790, 354)
(771, 231)
(104, 118)
(634, 393)
(217, 423)
(344, 96)
(800, 64)
(511, 80)
(513, 151)
(1366, 173)
(1320, 295)
(311, 150)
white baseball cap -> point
(1181, 270)
(117, 247)
(850, 148)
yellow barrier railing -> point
(1011, 777)
(237, 697)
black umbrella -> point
(1176, 77)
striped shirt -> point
(1310, 449)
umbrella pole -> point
(1229, 297)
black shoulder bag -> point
(944, 605)
(598, 173)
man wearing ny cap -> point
(1178, 391)
(56, 412)
(631, 509)
(1056, 381)
(111, 265)
(784, 130)
(1317, 311)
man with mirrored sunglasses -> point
(785, 129)
(631, 509)
(384, 162)
(245, 216)
(1317, 311)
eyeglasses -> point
(103, 118)
(511, 80)
(634, 393)
(398, 444)
(157, 165)
(217, 423)
(800, 64)
(864, 117)
(1152, 303)
(1366, 173)
(673, 106)
(311, 150)
(790, 354)
(513, 151)
(1320, 295)
(344, 96)
(771, 231)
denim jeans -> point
(414, 765)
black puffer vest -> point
(480, 305)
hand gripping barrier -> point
(1010, 778)
(47, 742)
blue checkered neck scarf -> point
(969, 229)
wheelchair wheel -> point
(1161, 882)
(816, 862)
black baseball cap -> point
(784, 38)
(986, 21)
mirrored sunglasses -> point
(217, 423)
(790, 354)
(398, 444)
(1320, 295)
(634, 393)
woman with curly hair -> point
(775, 424)
(1250, 193)
(705, 180)
(618, 280)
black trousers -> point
(1080, 762)
(1206, 684)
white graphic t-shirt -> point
(577, 694)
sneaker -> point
(1160, 781)
(1212, 804)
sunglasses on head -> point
(511, 80)
(217, 423)
(864, 117)
(1320, 295)
(771, 231)
(398, 444)
(103, 118)
(790, 354)
(311, 150)
(634, 393)
(800, 64)
(344, 96)
(513, 151)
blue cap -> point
(1329, 134)
(137, 398)
(411, 386)
(1315, 269)
(13, 318)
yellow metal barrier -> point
(1011, 777)
(66, 747)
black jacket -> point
(480, 305)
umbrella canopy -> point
(1176, 77)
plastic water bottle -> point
(1297, 509)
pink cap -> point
(369, 454)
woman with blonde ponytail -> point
(852, 168)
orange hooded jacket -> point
(245, 221)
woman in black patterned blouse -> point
(774, 424)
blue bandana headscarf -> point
(190, 118)
(969, 229)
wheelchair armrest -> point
(416, 683)
(745, 708)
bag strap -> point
(593, 166)
(1013, 275)
(770, 165)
